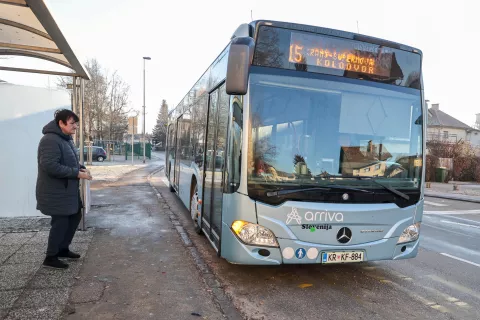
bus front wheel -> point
(194, 210)
(172, 189)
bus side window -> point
(235, 146)
(171, 148)
(199, 121)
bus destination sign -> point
(340, 54)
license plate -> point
(342, 256)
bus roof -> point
(253, 27)
(251, 30)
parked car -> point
(98, 153)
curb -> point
(213, 284)
(457, 198)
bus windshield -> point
(304, 131)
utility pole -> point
(133, 132)
(143, 133)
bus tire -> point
(194, 208)
(170, 186)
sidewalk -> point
(118, 167)
(134, 264)
(137, 266)
(27, 290)
(469, 192)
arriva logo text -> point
(323, 216)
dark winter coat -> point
(57, 191)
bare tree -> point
(106, 102)
(96, 100)
(117, 113)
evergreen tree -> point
(160, 129)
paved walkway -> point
(135, 263)
(466, 191)
(137, 266)
(27, 290)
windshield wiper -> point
(338, 186)
(288, 191)
(326, 188)
(392, 190)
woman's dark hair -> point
(64, 115)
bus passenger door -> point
(215, 165)
(176, 175)
(170, 152)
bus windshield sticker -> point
(300, 253)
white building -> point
(444, 127)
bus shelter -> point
(28, 29)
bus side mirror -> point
(239, 60)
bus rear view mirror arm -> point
(240, 58)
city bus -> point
(303, 145)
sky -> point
(184, 37)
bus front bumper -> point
(234, 251)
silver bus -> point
(303, 144)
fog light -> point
(264, 252)
(411, 233)
(254, 234)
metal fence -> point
(449, 138)
(138, 150)
(118, 148)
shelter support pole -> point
(84, 184)
(143, 131)
(75, 104)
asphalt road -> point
(441, 283)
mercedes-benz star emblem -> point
(344, 235)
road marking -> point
(460, 259)
(460, 224)
(398, 274)
(446, 297)
(408, 292)
(440, 308)
(369, 268)
(448, 230)
(455, 286)
(463, 219)
(475, 211)
(435, 204)
(423, 300)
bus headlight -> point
(411, 233)
(254, 234)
